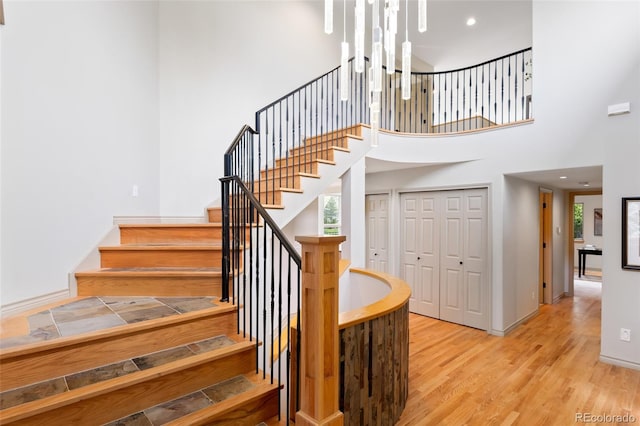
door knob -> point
(375, 254)
(418, 257)
(461, 262)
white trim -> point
(619, 362)
(33, 303)
(514, 325)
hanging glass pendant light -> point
(328, 16)
(422, 15)
(406, 59)
(358, 39)
(406, 70)
(391, 28)
(376, 47)
(344, 62)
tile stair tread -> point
(235, 401)
(94, 389)
(33, 347)
(140, 363)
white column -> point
(353, 215)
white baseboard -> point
(619, 362)
(33, 303)
(513, 326)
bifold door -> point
(377, 216)
(444, 254)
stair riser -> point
(308, 156)
(115, 258)
(271, 197)
(148, 235)
(308, 167)
(214, 214)
(62, 357)
(112, 404)
(353, 130)
(280, 182)
(341, 142)
(149, 286)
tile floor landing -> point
(99, 313)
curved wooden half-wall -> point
(374, 356)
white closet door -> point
(419, 262)
(377, 213)
(451, 258)
(444, 254)
(475, 259)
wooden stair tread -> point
(285, 189)
(273, 206)
(170, 225)
(309, 149)
(152, 271)
(164, 246)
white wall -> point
(521, 256)
(220, 62)
(602, 69)
(79, 128)
(590, 202)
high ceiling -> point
(501, 27)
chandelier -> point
(383, 38)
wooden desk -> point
(582, 258)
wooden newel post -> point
(319, 360)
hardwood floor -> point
(546, 372)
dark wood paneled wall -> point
(374, 361)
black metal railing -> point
(493, 93)
(260, 275)
(292, 135)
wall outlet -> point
(134, 191)
(625, 334)
(533, 295)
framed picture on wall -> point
(597, 222)
(631, 233)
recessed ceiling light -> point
(563, 177)
(471, 21)
(586, 184)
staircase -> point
(289, 184)
(168, 362)
(145, 357)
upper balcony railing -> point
(493, 93)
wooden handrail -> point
(399, 295)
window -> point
(578, 221)
(331, 214)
